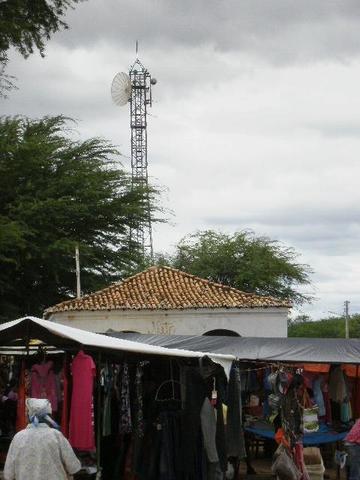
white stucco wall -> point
(259, 322)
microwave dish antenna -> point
(121, 89)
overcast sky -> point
(255, 122)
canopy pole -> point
(27, 337)
(98, 420)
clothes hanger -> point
(172, 382)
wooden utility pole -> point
(77, 263)
(346, 305)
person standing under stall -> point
(39, 451)
(352, 442)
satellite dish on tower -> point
(121, 89)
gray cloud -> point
(277, 31)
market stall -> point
(129, 410)
(299, 392)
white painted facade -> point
(247, 322)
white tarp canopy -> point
(19, 333)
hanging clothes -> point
(21, 417)
(208, 427)
(327, 402)
(337, 385)
(318, 395)
(107, 382)
(43, 383)
(234, 427)
(191, 422)
(81, 430)
(65, 404)
(139, 415)
(125, 424)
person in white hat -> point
(39, 451)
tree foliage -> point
(56, 192)
(27, 25)
(333, 327)
(244, 261)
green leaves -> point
(333, 327)
(27, 25)
(56, 192)
(244, 261)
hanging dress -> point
(43, 383)
(65, 405)
(21, 417)
(81, 430)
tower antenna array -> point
(136, 88)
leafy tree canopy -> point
(56, 192)
(244, 261)
(26, 25)
(333, 327)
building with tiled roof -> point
(169, 301)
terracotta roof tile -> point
(166, 288)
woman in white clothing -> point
(39, 451)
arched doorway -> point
(221, 332)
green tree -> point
(333, 327)
(244, 261)
(26, 25)
(56, 192)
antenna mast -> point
(140, 100)
(135, 88)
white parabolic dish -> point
(121, 89)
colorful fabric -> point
(21, 417)
(354, 435)
(81, 430)
(43, 383)
(299, 461)
(316, 367)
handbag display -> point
(284, 466)
(310, 415)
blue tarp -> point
(324, 435)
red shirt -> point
(354, 435)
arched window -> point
(221, 333)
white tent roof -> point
(19, 332)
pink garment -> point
(43, 383)
(81, 430)
(327, 402)
(354, 435)
(299, 461)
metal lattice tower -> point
(140, 100)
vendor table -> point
(324, 435)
